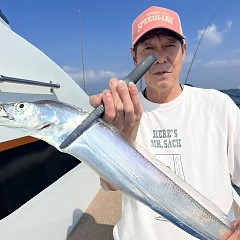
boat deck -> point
(98, 221)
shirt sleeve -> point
(233, 147)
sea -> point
(234, 94)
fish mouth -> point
(5, 115)
(47, 126)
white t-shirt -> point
(198, 136)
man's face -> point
(170, 55)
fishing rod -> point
(134, 76)
(194, 55)
(81, 41)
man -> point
(195, 132)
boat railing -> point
(27, 82)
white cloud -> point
(95, 81)
(223, 63)
(228, 26)
(222, 74)
(92, 75)
(106, 74)
(212, 35)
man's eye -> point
(148, 48)
(170, 45)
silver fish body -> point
(122, 163)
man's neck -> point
(162, 96)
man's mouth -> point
(161, 73)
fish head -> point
(51, 121)
(24, 115)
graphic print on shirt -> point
(168, 139)
(174, 162)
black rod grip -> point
(134, 76)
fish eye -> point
(21, 106)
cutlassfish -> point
(121, 162)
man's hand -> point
(234, 234)
(122, 105)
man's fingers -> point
(108, 101)
(236, 229)
(126, 101)
(122, 104)
(95, 100)
(138, 109)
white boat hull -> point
(53, 212)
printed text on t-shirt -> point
(165, 138)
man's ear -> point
(134, 57)
(184, 50)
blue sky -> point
(56, 27)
